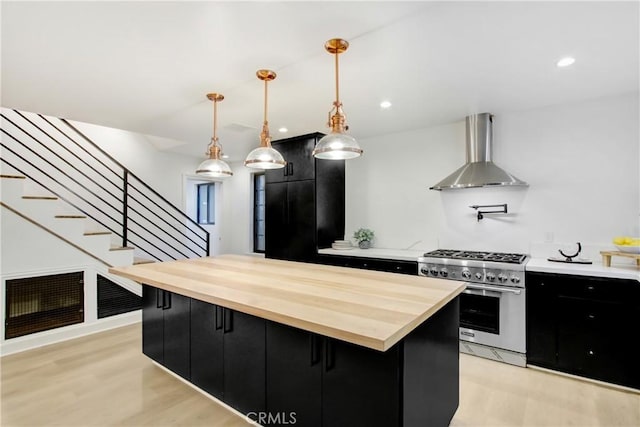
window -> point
(258, 212)
(206, 203)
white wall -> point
(582, 162)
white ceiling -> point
(146, 66)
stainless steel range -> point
(492, 308)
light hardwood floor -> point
(104, 379)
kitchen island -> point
(285, 342)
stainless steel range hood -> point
(479, 170)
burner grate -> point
(510, 258)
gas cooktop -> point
(511, 258)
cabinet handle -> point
(227, 321)
(329, 356)
(590, 288)
(591, 316)
(166, 300)
(218, 316)
(158, 304)
(315, 349)
(286, 170)
(290, 167)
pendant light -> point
(265, 156)
(213, 166)
(337, 145)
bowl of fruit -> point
(627, 244)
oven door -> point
(493, 316)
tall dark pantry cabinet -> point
(304, 207)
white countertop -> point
(596, 269)
(398, 254)
(534, 264)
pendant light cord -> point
(215, 121)
(265, 101)
(337, 82)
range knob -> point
(433, 271)
(503, 277)
(491, 276)
(425, 271)
(466, 274)
(515, 279)
(479, 276)
(444, 272)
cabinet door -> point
(153, 323)
(299, 157)
(276, 232)
(177, 334)
(300, 234)
(360, 386)
(207, 369)
(244, 362)
(541, 320)
(294, 375)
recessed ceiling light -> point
(565, 62)
(385, 104)
(283, 130)
(225, 156)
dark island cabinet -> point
(165, 329)
(378, 264)
(304, 202)
(584, 326)
(207, 347)
(322, 381)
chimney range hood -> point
(479, 170)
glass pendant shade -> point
(265, 156)
(214, 167)
(337, 145)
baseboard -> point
(586, 380)
(40, 339)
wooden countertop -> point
(369, 308)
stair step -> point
(70, 217)
(12, 176)
(40, 197)
(96, 233)
(137, 261)
(121, 248)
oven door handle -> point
(472, 286)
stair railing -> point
(56, 155)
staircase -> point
(58, 179)
(51, 214)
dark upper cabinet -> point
(298, 153)
(207, 347)
(166, 329)
(584, 326)
(304, 207)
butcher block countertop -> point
(369, 308)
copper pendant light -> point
(337, 145)
(265, 156)
(214, 167)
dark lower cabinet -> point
(294, 374)
(244, 362)
(279, 375)
(378, 264)
(165, 329)
(584, 326)
(326, 382)
(207, 347)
